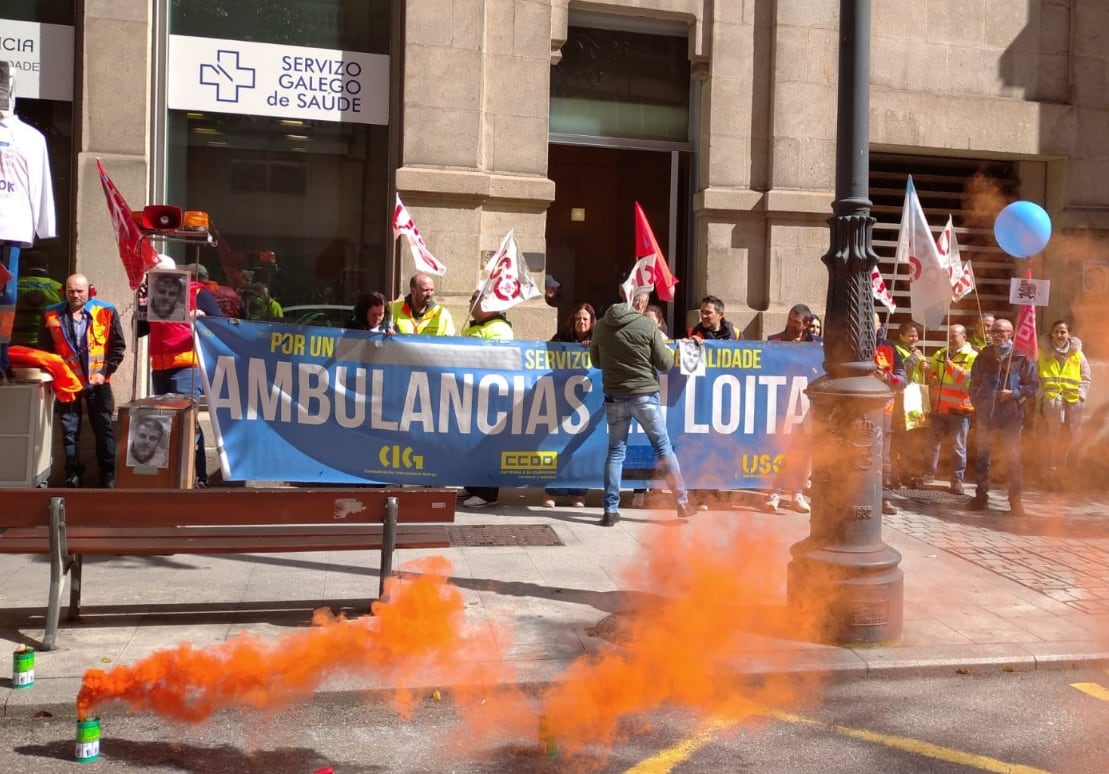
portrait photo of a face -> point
(148, 440)
(167, 294)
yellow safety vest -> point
(436, 321)
(1064, 378)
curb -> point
(57, 696)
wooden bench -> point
(70, 523)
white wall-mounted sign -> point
(264, 79)
(41, 57)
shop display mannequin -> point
(26, 202)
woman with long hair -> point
(577, 328)
(578, 325)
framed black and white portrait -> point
(167, 296)
(148, 440)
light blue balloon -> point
(1022, 229)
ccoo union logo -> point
(529, 460)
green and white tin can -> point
(88, 740)
(23, 668)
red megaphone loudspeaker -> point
(161, 217)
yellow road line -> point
(914, 746)
(665, 761)
(1093, 689)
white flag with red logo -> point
(929, 286)
(960, 274)
(642, 277)
(1024, 337)
(879, 290)
(964, 283)
(647, 249)
(403, 225)
(508, 280)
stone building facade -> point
(546, 116)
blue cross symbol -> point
(227, 76)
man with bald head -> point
(949, 386)
(87, 334)
(418, 313)
(1002, 382)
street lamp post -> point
(844, 583)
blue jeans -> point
(647, 410)
(185, 381)
(944, 427)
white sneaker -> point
(549, 503)
(478, 502)
(578, 502)
(773, 502)
(639, 500)
(799, 503)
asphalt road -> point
(1000, 722)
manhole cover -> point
(502, 535)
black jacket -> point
(994, 371)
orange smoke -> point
(418, 633)
(719, 587)
(984, 199)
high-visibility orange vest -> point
(99, 328)
(950, 385)
(171, 344)
(883, 359)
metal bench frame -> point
(358, 533)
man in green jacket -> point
(630, 351)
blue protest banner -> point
(323, 405)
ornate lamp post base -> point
(845, 585)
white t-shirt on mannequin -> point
(26, 188)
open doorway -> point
(591, 223)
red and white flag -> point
(403, 225)
(137, 254)
(642, 277)
(964, 284)
(1025, 339)
(508, 280)
(879, 290)
(929, 286)
(646, 248)
(960, 274)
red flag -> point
(1024, 338)
(137, 254)
(646, 246)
